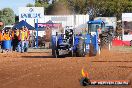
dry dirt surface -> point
(40, 70)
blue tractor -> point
(71, 44)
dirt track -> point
(40, 70)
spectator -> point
(23, 39)
(15, 40)
(27, 34)
(0, 37)
(5, 37)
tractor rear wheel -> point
(92, 51)
(131, 43)
(81, 48)
(105, 41)
(53, 52)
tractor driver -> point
(99, 33)
(98, 29)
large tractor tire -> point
(55, 53)
(92, 51)
(131, 43)
(81, 48)
(105, 41)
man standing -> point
(23, 38)
(18, 33)
(26, 39)
(0, 37)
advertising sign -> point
(31, 12)
(44, 25)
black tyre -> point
(56, 53)
(53, 50)
(92, 51)
(71, 54)
(105, 41)
(81, 48)
(131, 43)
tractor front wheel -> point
(81, 48)
(92, 51)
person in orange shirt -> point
(6, 35)
(1, 37)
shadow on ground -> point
(111, 61)
(37, 56)
(42, 56)
(39, 52)
(124, 66)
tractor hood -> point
(95, 22)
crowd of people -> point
(19, 39)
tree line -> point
(7, 17)
(95, 8)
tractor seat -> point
(63, 46)
(64, 43)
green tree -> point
(45, 4)
(7, 16)
(29, 5)
(58, 8)
(106, 8)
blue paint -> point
(94, 41)
(76, 42)
(87, 42)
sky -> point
(14, 4)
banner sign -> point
(31, 12)
(51, 25)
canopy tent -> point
(21, 24)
